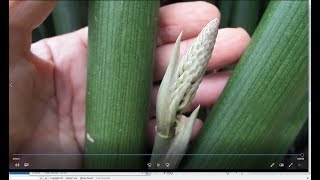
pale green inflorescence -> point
(193, 66)
(179, 87)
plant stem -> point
(161, 146)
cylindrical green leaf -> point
(122, 37)
(265, 102)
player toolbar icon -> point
(17, 165)
(167, 165)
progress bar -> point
(301, 154)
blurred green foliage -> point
(66, 17)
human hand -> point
(47, 80)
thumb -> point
(27, 95)
(24, 16)
(27, 15)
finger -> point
(43, 48)
(27, 15)
(230, 45)
(189, 17)
(210, 90)
(207, 94)
(152, 124)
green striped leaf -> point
(265, 103)
(122, 37)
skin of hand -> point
(47, 79)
